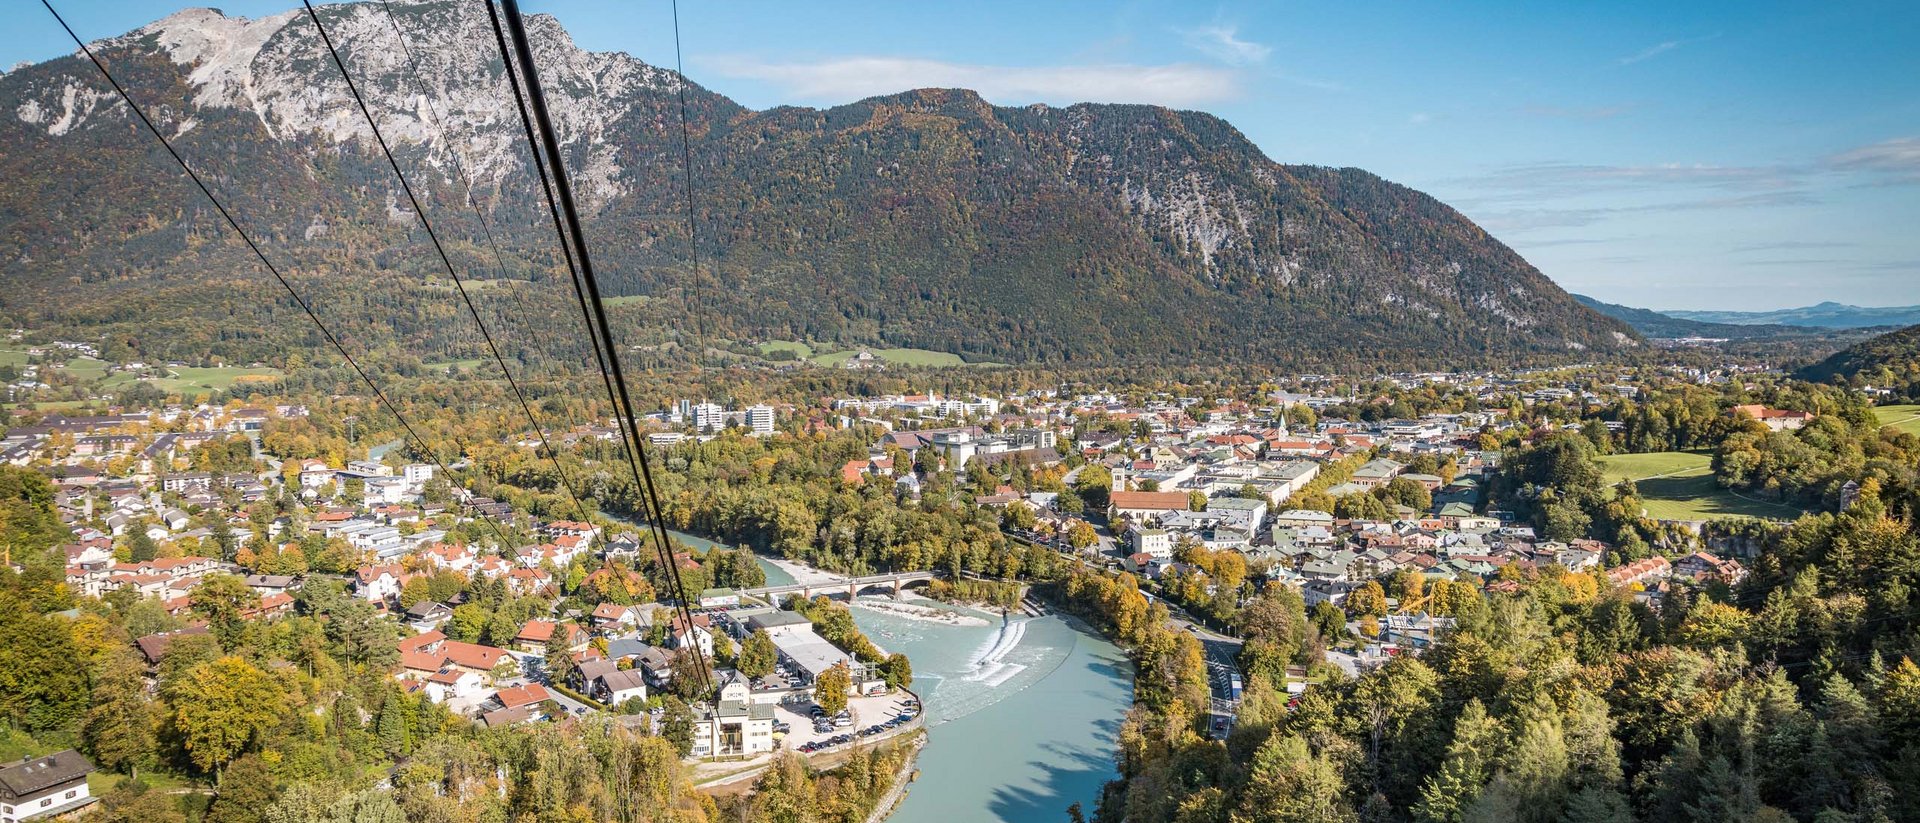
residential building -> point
(1154, 543)
(1775, 419)
(44, 786)
(1644, 572)
(619, 686)
(1146, 505)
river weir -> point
(1022, 709)
(1022, 714)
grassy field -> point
(188, 380)
(904, 357)
(54, 405)
(12, 357)
(1905, 418)
(86, 368)
(1680, 486)
(462, 365)
(626, 300)
(804, 351)
(900, 357)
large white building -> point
(709, 417)
(735, 727)
(760, 419)
(1155, 543)
(801, 649)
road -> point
(1221, 650)
(535, 667)
(1222, 653)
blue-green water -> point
(1021, 721)
(776, 576)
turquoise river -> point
(1021, 718)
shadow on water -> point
(1076, 778)
(1107, 731)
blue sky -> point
(1744, 155)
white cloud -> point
(1662, 47)
(845, 79)
(1419, 118)
(1650, 52)
(1899, 157)
(1536, 218)
(1222, 42)
(1563, 180)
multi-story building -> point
(709, 417)
(760, 419)
(735, 727)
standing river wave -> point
(1021, 716)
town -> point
(198, 519)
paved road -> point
(535, 667)
(1222, 654)
(1221, 650)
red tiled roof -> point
(472, 656)
(422, 661)
(1176, 501)
(526, 695)
(420, 641)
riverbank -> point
(1022, 719)
(802, 573)
(898, 791)
(929, 614)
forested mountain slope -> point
(1087, 234)
(1890, 360)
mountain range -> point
(1658, 325)
(1089, 234)
(1828, 315)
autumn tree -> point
(220, 710)
(1370, 600)
(248, 788)
(223, 600)
(757, 654)
(830, 689)
(898, 671)
(119, 724)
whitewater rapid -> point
(988, 666)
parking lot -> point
(865, 714)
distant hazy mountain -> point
(1097, 234)
(1827, 315)
(1656, 324)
